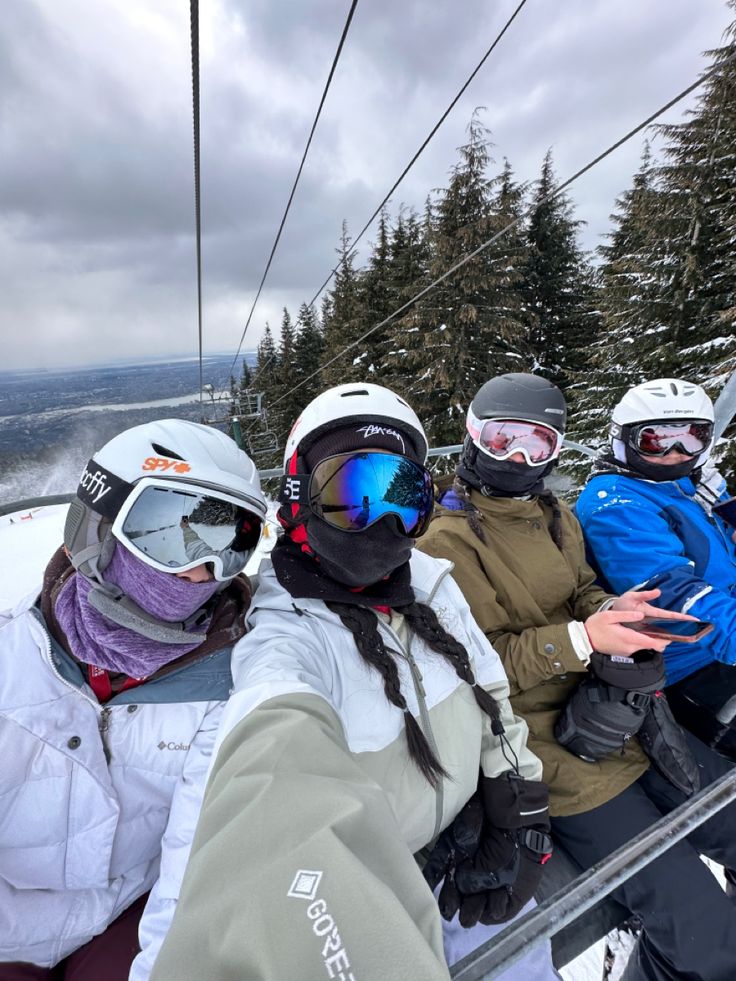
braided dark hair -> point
(555, 526)
(474, 516)
(363, 625)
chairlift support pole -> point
(237, 431)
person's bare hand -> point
(608, 635)
(638, 600)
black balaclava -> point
(500, 478)
(362, 558)
(382, 548)
(658, 471)
(620, 457)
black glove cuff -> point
(643, 672)
(512, 802)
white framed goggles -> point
(501, 438)
(175, 526)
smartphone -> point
(683, 631)
(727, 511)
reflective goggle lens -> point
(501, 438)
(174, 528)
(657, 439)
(354, 490)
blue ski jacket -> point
(640, 530)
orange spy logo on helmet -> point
(160, 463)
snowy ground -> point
(588, 966)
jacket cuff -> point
(580, 640)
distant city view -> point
(51, 422)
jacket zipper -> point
(103, 721)
(421, 695)
(104, 727)
(420, 692)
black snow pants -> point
(689, 922)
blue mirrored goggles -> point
(351, 491)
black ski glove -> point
(502, 876)
(457, 843)
(492, 855)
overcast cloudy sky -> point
(96, 189)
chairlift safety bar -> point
(500, 952)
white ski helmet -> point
(663, 399)
(660, 400)
(354, 402)
(171, 450)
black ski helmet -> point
(518, 395)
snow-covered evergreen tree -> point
(309, 350)
(468, 326)
(559, 297)
(699, 177)
(341, 320)
(283, 402)
(373, 305)
(633, 310)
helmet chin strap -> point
(119, 608)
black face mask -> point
(501, 478)
(658, 471)
(359, 558)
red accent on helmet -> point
(297, 533)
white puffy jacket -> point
(88, 792)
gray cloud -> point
(96, 198)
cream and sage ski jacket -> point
(302, 865)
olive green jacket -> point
(523, 592)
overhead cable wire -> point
(194, 34)
(296, 180)
(419, 152)
(512, 224)
(406, 169)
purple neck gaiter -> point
(94, 639)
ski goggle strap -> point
(501, 438)
(659, 438)
(351, 491)
(174, 527)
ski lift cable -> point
(405, 171)
(259, 371)
(416, 156)
(296, 180)
(411, 163)
(194, 34)
(512, 224)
